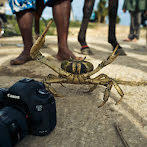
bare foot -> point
(21, 59)
(127, 40)
(66, 56)
(134, 40)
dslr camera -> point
(25, 108)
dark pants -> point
(135, 25)
(3, 17)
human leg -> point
(113, 6)
(38, 12)
(24, 20)
(0, 28)
(61, 14)
(137, 23)
(87, 10)
(132, 26)
(2, 21)
(112, 13)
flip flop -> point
(85, 50)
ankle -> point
(62, 49)
(82, 41)
(25, 53)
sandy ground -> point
(79, 120)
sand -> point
(79, 120)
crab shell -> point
(77, 67)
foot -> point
(85, 50)
(66, 56)
(134, 40)
(21, 59)
(120, 51)
(127, 40)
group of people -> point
(24, 11)
(137, 10)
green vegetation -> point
(102, 12)
(12, 29)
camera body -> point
(33, 102)
(3, 95)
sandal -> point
(85, 50)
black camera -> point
(33, 103)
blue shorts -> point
(20, 5)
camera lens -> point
(15, 124)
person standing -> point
(24, 11)
(135, 8)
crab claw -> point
(114, 52)
(113, 56)
(39, 42)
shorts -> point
(20, 5)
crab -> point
(76, 71)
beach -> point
(79, 120)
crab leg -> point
(103, 79)
(91, 89)
(43, 60)
(39, 42)
(119, 90)
(52, 79)
(51, 90)
(104, 63)
(131, 83)
(106, 94)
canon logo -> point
(13, 96)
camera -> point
(26, 108)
